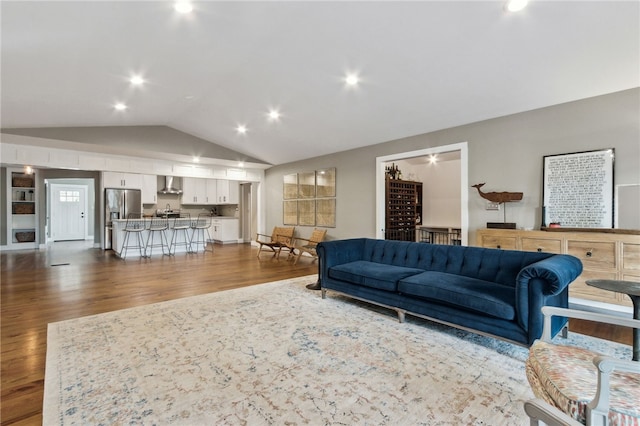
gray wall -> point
(505, 152)
(3, 206)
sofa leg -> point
(400, 315)
(324, 293)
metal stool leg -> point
(181, 224)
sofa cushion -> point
(372, 274)
(468, 293)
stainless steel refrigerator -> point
(118, 203)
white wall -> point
(440, 190)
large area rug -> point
(279, 354)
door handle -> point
(82, 215)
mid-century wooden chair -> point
(280, 238)
(309, 246)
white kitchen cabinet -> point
(199, 191)
(225, 230)
(228, 191)
(194, 191)
(212, 191)
(122, 180)
(149, 189)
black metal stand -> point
(314, 286)
(317, 285)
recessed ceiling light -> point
(241, 129)
(274, 115)
(433, 159)
(183, 6)
(136, 80)
(196, 159)
(120, 106)
(240, 164)
(516, 5)
(352, 79)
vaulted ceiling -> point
(423, 66)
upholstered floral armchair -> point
(576, 386)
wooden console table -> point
(604, 256)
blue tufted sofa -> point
(495, 292)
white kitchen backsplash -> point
(173, 202)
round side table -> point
(631, 289)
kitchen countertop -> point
(192, 217)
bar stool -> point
(158, 225)
(182, 225)
(134, 225)
(199, 227)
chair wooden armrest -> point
(540, 411)
(295, 241)
(258, 235)
(550, 311)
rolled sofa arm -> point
(557, 271)
(338, 252)
(544, 283)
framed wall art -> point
(326, 212)
(578, 189)
(307, 185)
(306, 212)
(290, 212)
(326, 183)
(290, 187)
(309, 198)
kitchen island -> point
(218, 223)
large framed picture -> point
(578, 189)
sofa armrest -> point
(543, 283)
(338, 252)
(557, 271)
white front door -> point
(68, 211)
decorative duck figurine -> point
(498, 197)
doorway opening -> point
(248, 212)
(443, 205)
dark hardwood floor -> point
(71, 280)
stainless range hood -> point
(171, 186)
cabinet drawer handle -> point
(498, 246)
(539, 249)
(589, 253)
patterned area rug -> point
(278, 354)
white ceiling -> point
(424, 66)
